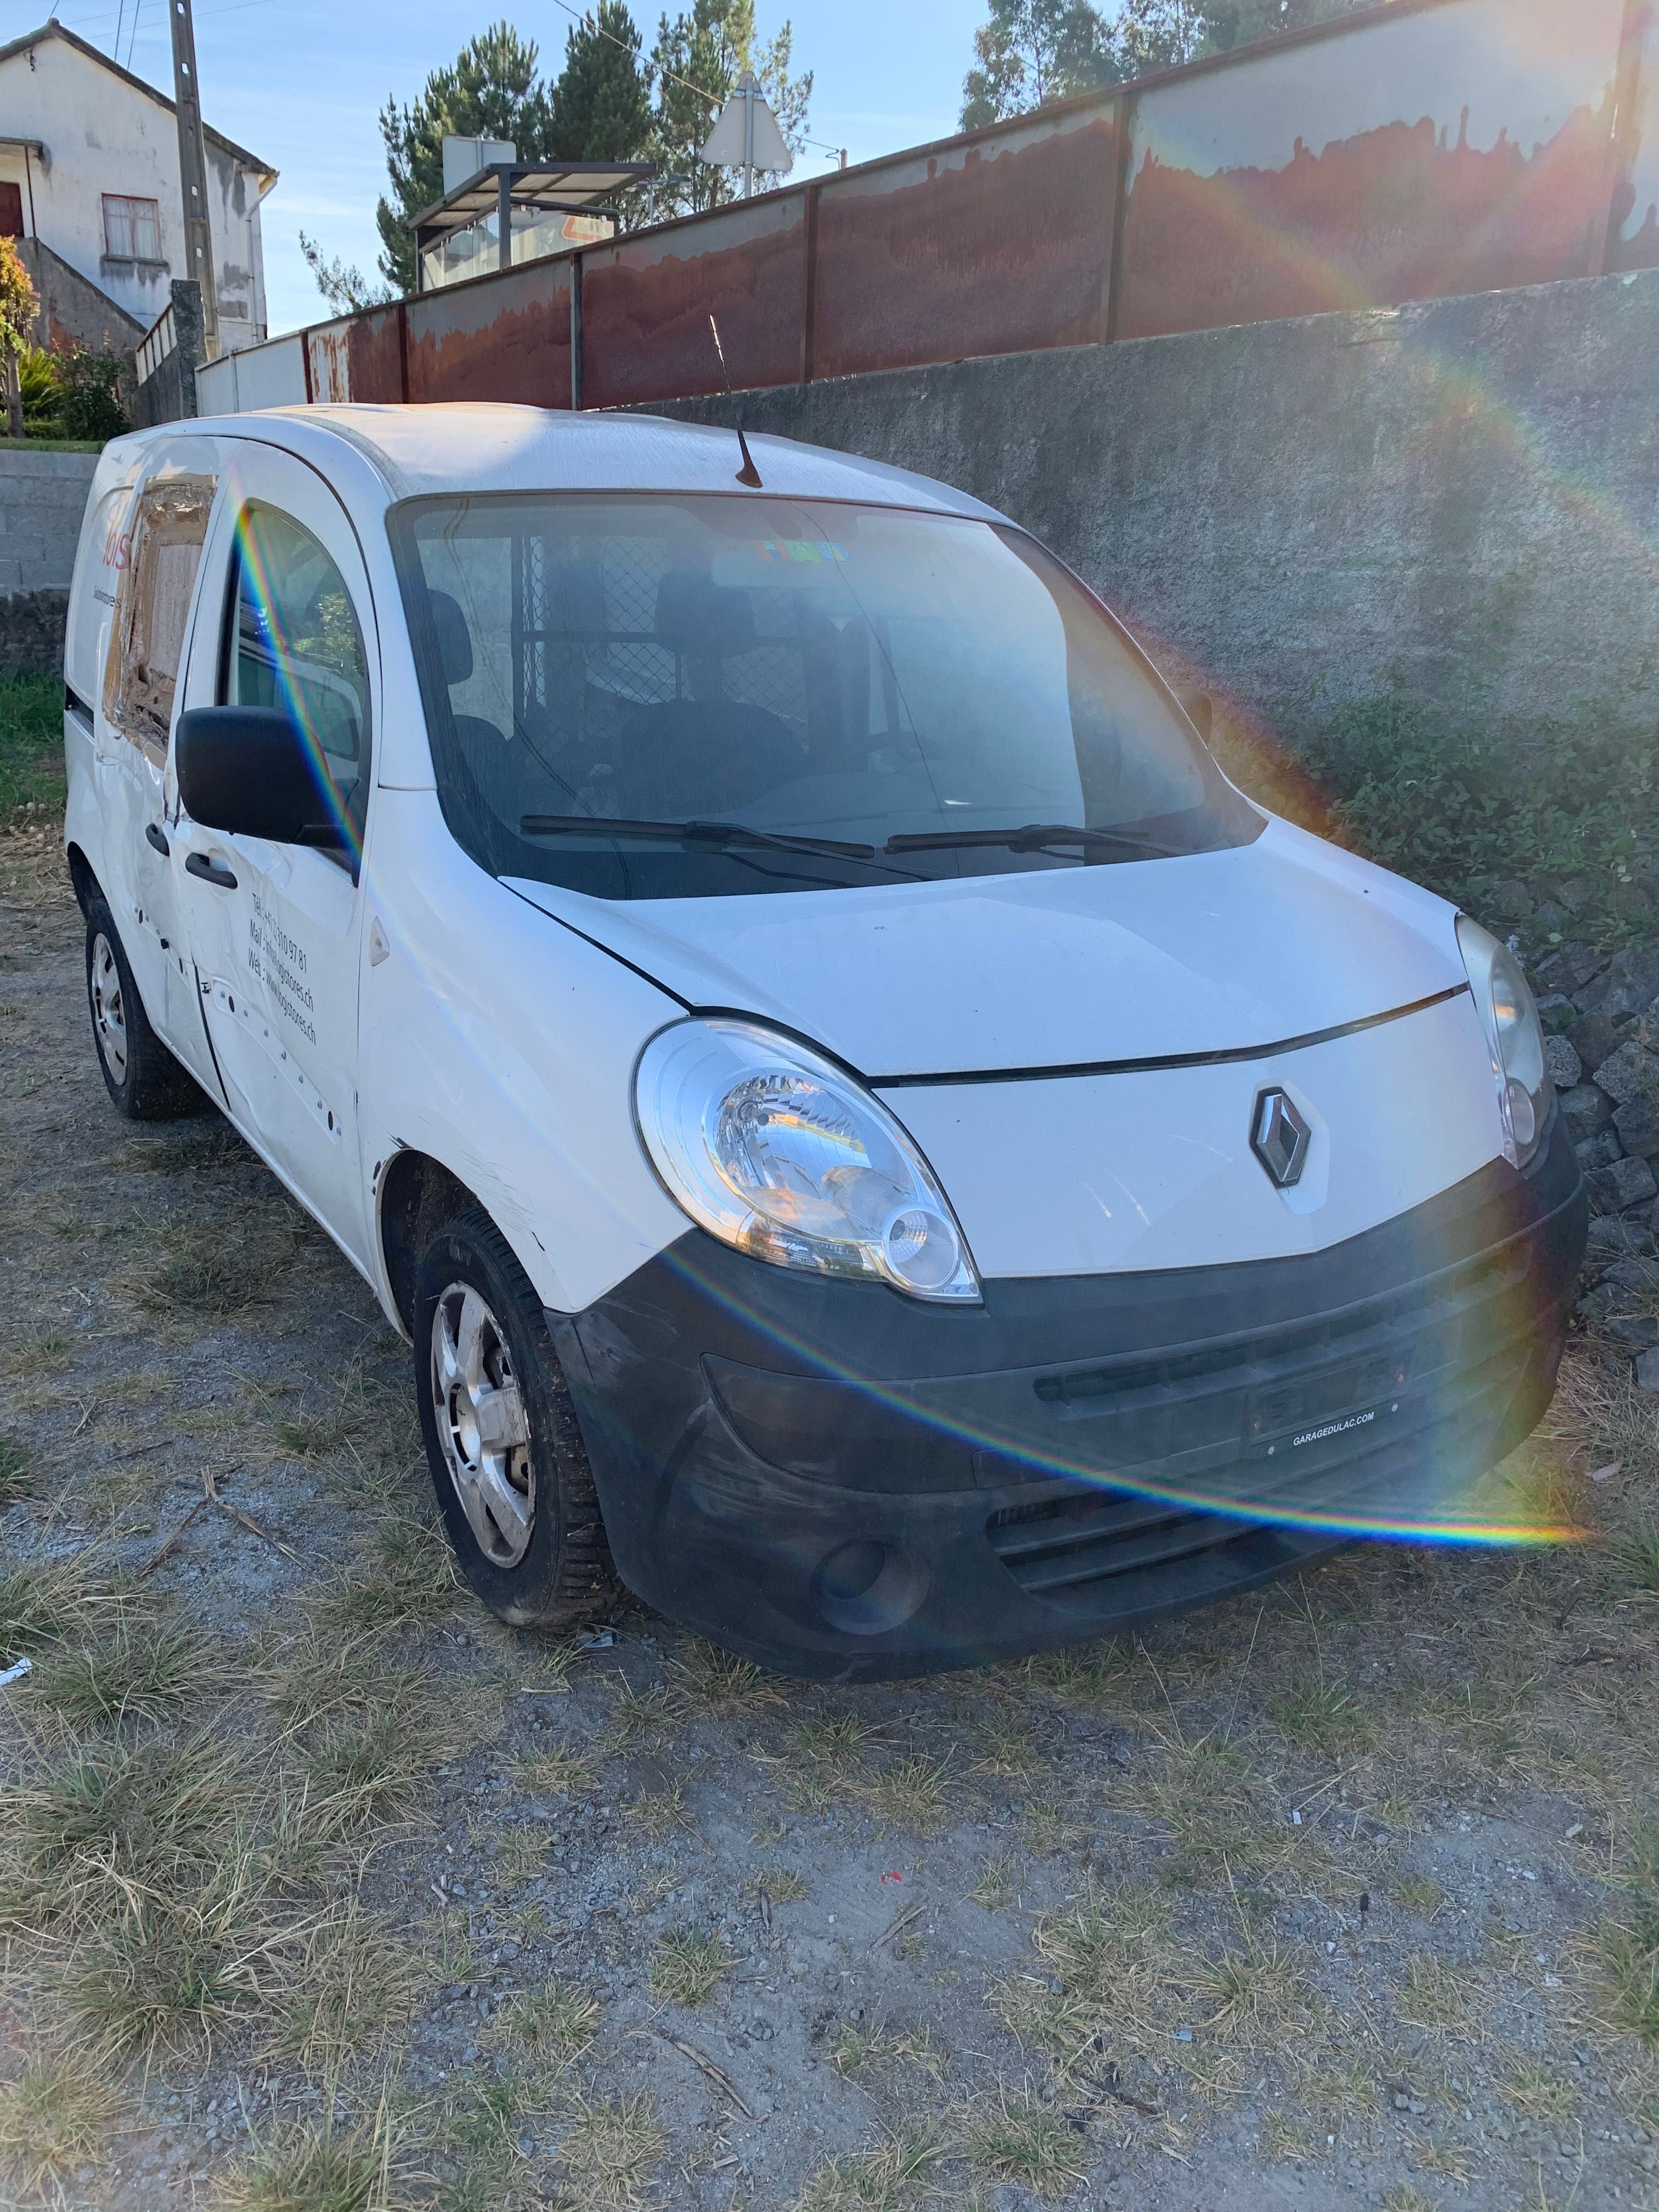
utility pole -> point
(192, 173)
(749, 90)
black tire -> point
(145, 1083)
(563, 1575)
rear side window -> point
(296, 643)
(146, 642)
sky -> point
(299, 83)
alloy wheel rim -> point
(109, 1018)
(483, 1430)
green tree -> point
(696, 60)
(18, 305)
(492, 90)
(1032, 51)
(600, 107)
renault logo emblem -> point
(1279, 1138)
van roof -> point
(468, 447)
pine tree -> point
(600, 107)
(493, 90)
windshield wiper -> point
(1033, 837)
(717, 836)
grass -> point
(350, 1981)
(910, 1793)
(1111, 1956)
(609, 2154)
(857, 2048)
(174, 1970)
(558, 1773)
(137, 1669)
(321, 2165)
(19, 1478)
(31, 749)
(1629, 1958)
(689, 1968)
(552, 2024)
(1014, 2137)
(712, 1681)
(54, 2116)
(888, 2177)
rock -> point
(1638, 1124)
(1621, 1183)
(1511, 899)
(1634, 1273)
(1600, 1151)
(1647, 1370)
(1627, 1071)
(1556, 1012)
(1585, 1109)
(1593, 1037)
(1550, 918)
(1614, 1237)
(1635, 1332)
(1575, 894)
(1562, 1062)
(1633, 979)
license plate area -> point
(1325, 1410)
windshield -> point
(653, 697)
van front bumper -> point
(841, 1482)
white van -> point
(865, 1127)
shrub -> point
(93, 402)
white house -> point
(89, 181)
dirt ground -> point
(320, 1890)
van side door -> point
(149, 635)
(274, 929)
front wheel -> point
(507, 1456)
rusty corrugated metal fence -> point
(1411, 151)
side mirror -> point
(248, 770)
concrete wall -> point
(42, 498)
(1458, 498)
(72, 310)
(104, 131)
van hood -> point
(1210, 952)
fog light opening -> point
(865, 1588)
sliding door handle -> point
(211, 871)
(157, 836)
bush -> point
(93, 400)
(1477, 815)
(31, 747)
(42, 392)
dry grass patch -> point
(856, 2048)
(559, 1773)
(1256, 1993)
(1112, 1955)
(998, 1886)
(890, 2177)
(405, 1574)
(134, 1665)
(1316, 1715)
(1434, 1995)
(320, 2166)
(1627, 1953)
(350, 1980)
(608, 2157)
(1016, 2137)
(689, 1968)
(910, 1793)
(712, 1681)
(19, 1478)
(1538, 2091)
(54, 2117)
(552, 2024)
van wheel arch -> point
(418, 1194)
(87, 885)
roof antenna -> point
(748, 474)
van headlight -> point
(1515, 1036)
(784, 1156)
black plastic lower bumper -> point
(839, 1481)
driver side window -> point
(294, 643)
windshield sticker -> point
(800, 548)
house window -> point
(132, 228)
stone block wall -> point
(43, 496)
